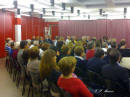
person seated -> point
(59, 45)
(68, 81)
(23, 45)
(48, 39)
(9, 48)
(115, 72)
(33, 65)
(48, 67)
(43, 48)
(15, 50)
(113, 44)
(106, 58)
(81, 62)
(68, 40)
(105, 47)
(25, 56)
(20, 59)
(65, 51)
(98, 43)
(96, 63)
(35, 43)
(90, 50)
(122, 44)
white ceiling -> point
(113, 8)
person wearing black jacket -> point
(80, 70)
(96, 63)
(115, 72)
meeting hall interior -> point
(64, 48)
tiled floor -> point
(7, 86)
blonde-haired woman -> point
(48, 68)
(70, 83)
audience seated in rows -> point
(44, 54)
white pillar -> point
(18, 28)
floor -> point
(7, 86)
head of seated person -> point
(90, 45)
(55, 49)
(122, 44)
(65, 50)
(98, 44)
(67, 66)
(48, 63)
(34, 53)
(99, 53)
(33, 62)
(26, 55)
(104, 45)
(113, 44)
(114, 56)
(23, 44)
(45, 46)
(59, 45)
(79, 51)
(36, 43)
(12, 45)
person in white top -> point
(68, 40)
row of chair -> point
(101, 86)
(14, 69)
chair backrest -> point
(115, 86)
(53, 90)
(58, 92)
(95, 78)
(125, 52)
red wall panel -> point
(77, 28)
(32, 26)
(7, 29)
(118, 28)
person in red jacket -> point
(91, 50)
(68, 81)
